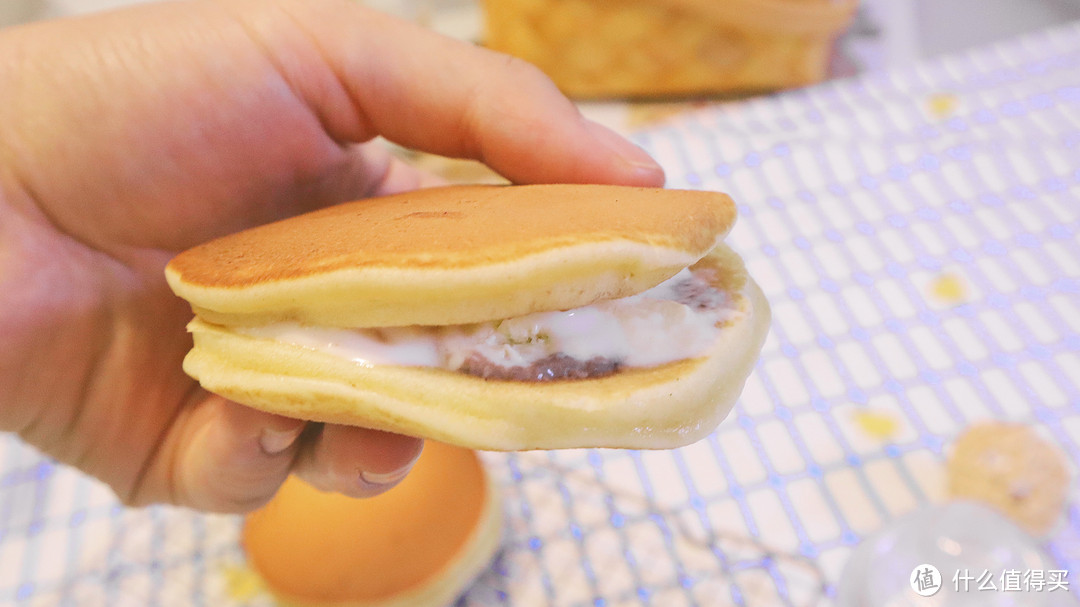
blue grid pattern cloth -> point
(858, 200)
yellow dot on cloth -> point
(242, 583)
(878, 425)
(949, 289)
(942, 105)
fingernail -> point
(629, 153)
(275, 441)
(388, 478)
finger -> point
(370, 169)
(357, 462)
(362, 171)
(223, 457)
(443, 96)
(401, 176)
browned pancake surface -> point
(457, 227)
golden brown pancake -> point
(452, 255)
(470, 255)
(417, 545)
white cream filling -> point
(644, 330)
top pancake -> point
(451, 255)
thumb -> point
(225, 457)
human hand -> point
(128, 136)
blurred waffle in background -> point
(661, 48)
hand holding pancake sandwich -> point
(130, 136)
(491, 317)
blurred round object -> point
(1009, 467)
(419, 544)
(950, 556)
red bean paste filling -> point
(695, 292)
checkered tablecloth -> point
(917, 234)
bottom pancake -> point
(660, 407)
